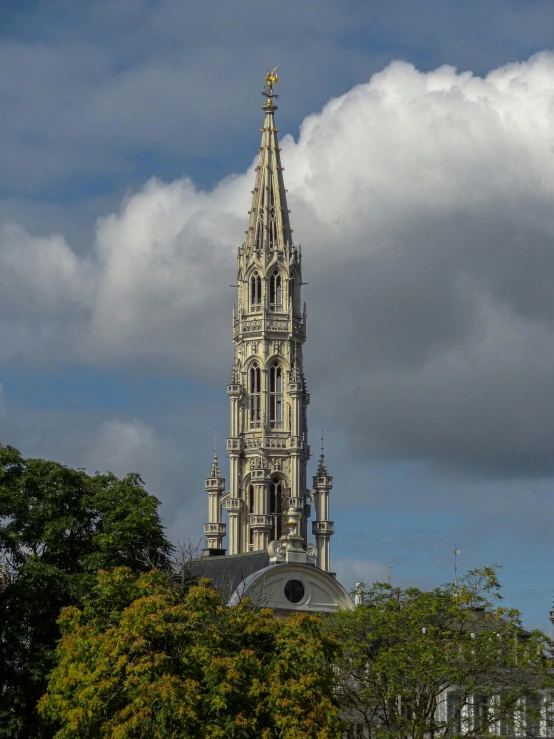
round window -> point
(294, 591)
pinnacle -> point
(215, 471)
(269, 227)
(322, 466)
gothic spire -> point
(215, 471)
(269, 226)
(322, 466)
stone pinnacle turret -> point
(322, 528)
(214, 530)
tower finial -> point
(215, 471)
(322, 466)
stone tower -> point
(268, 444)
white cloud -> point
(423, 201)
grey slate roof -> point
(226, 572)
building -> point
(268, 501)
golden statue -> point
(271, 78)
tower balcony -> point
(234, 505)
(260, 475)
(323, 482)
(215, 529)
(295, 389)
(296, 444)
(234, 390)
(271, 443)
(260, 521)
(215, 484)
(272, 322)
(280, 323)
(325, 528)
(235, 444)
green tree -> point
(58, 528)
(148, 658)
(402, 649)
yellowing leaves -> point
(146, 658)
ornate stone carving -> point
(249, 327)
(277, 325)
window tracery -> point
(275, 292)
(255, 290)
(276, 396)
(255, 387)
(276, 507)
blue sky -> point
(417, 145)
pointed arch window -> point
(255, 388)
(276, 292)
(255, 291)
(251, 498)
(276, 507)
(276, 396)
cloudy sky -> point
(418, 142)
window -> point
(294, 591)
(255, 290)
(251, 498)
(275, 396)
(276, 507)
(275, 292)
(454, 708)
(480, 714)
(291, 291)
(255, 389)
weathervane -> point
(271, 78)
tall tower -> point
(268, 444)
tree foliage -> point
(58, 528)
(403, 648)
(147, 658)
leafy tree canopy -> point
(147, 658)
(58, 528)
(403, 648)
